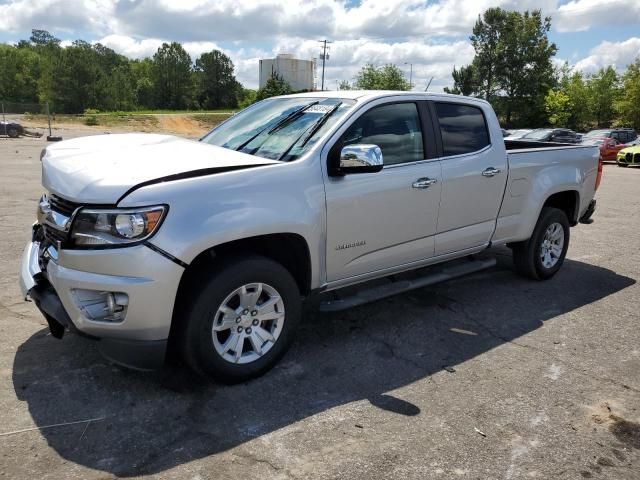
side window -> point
(462, 127)
(395, 128)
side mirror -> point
(360, 159)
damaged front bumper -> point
(65, 293)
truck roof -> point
(371, 94)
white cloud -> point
(580, 15)
(616, 54)
(432, 35)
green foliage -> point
(558, 107)
(465, 81)
(246, 97)
(628, 103)
(387, 77)
(217, 85)
(604, 90)
(91, 76)
(344, 85)
(276, 85)
(512, 66)
(172, 77)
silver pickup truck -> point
(152, 244)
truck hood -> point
(102, 168)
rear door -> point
(380, 221)
(474, 174)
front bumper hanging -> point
(34, 284)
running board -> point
(400, 286)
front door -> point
(376, 221)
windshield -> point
(279, 128)
(598, 133)
(538, 134)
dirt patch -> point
(182, 125)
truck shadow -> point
(147, 423)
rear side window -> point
(462, 127)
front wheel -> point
(242, 320)
(543, 254)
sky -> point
(429, 37)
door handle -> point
(424, 182)
(490, 172)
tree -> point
(628, 105)
(276, 85)
(172, 77)
(246, 97)
(465, 81)
(43, 38)
(387, 77)
(525, 72)
(486, 41)
(558, 106)
(344, 85)
(603, 88)
(217, 86)
(512, 65)
(575, 88)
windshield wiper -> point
(293, 115)
(309, 132)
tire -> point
(12, 132)
(623, 165)
(527, 256)
(203, 349)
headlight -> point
(115, 227)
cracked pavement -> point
(549, 372)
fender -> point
(208, 211)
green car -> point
(628, 156)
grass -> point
(166, 112)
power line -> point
(324, 56)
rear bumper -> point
(149, 280)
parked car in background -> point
(15, 130)
(628, 156)
(609, 147)
(622, 135)
(515, 134)
(556, 135)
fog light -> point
(101, 306)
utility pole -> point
(324, 56)
(410, 74)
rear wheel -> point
(13, 132)
(242, 320)
(543, 254)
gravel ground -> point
(542, 380)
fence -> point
(26, 119)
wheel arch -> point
(289, 249)
(568, 201)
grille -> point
(63, 206)
(66, 208)
(636, 157)
(54, 236)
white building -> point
(299, 74)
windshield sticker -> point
(319, 109)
